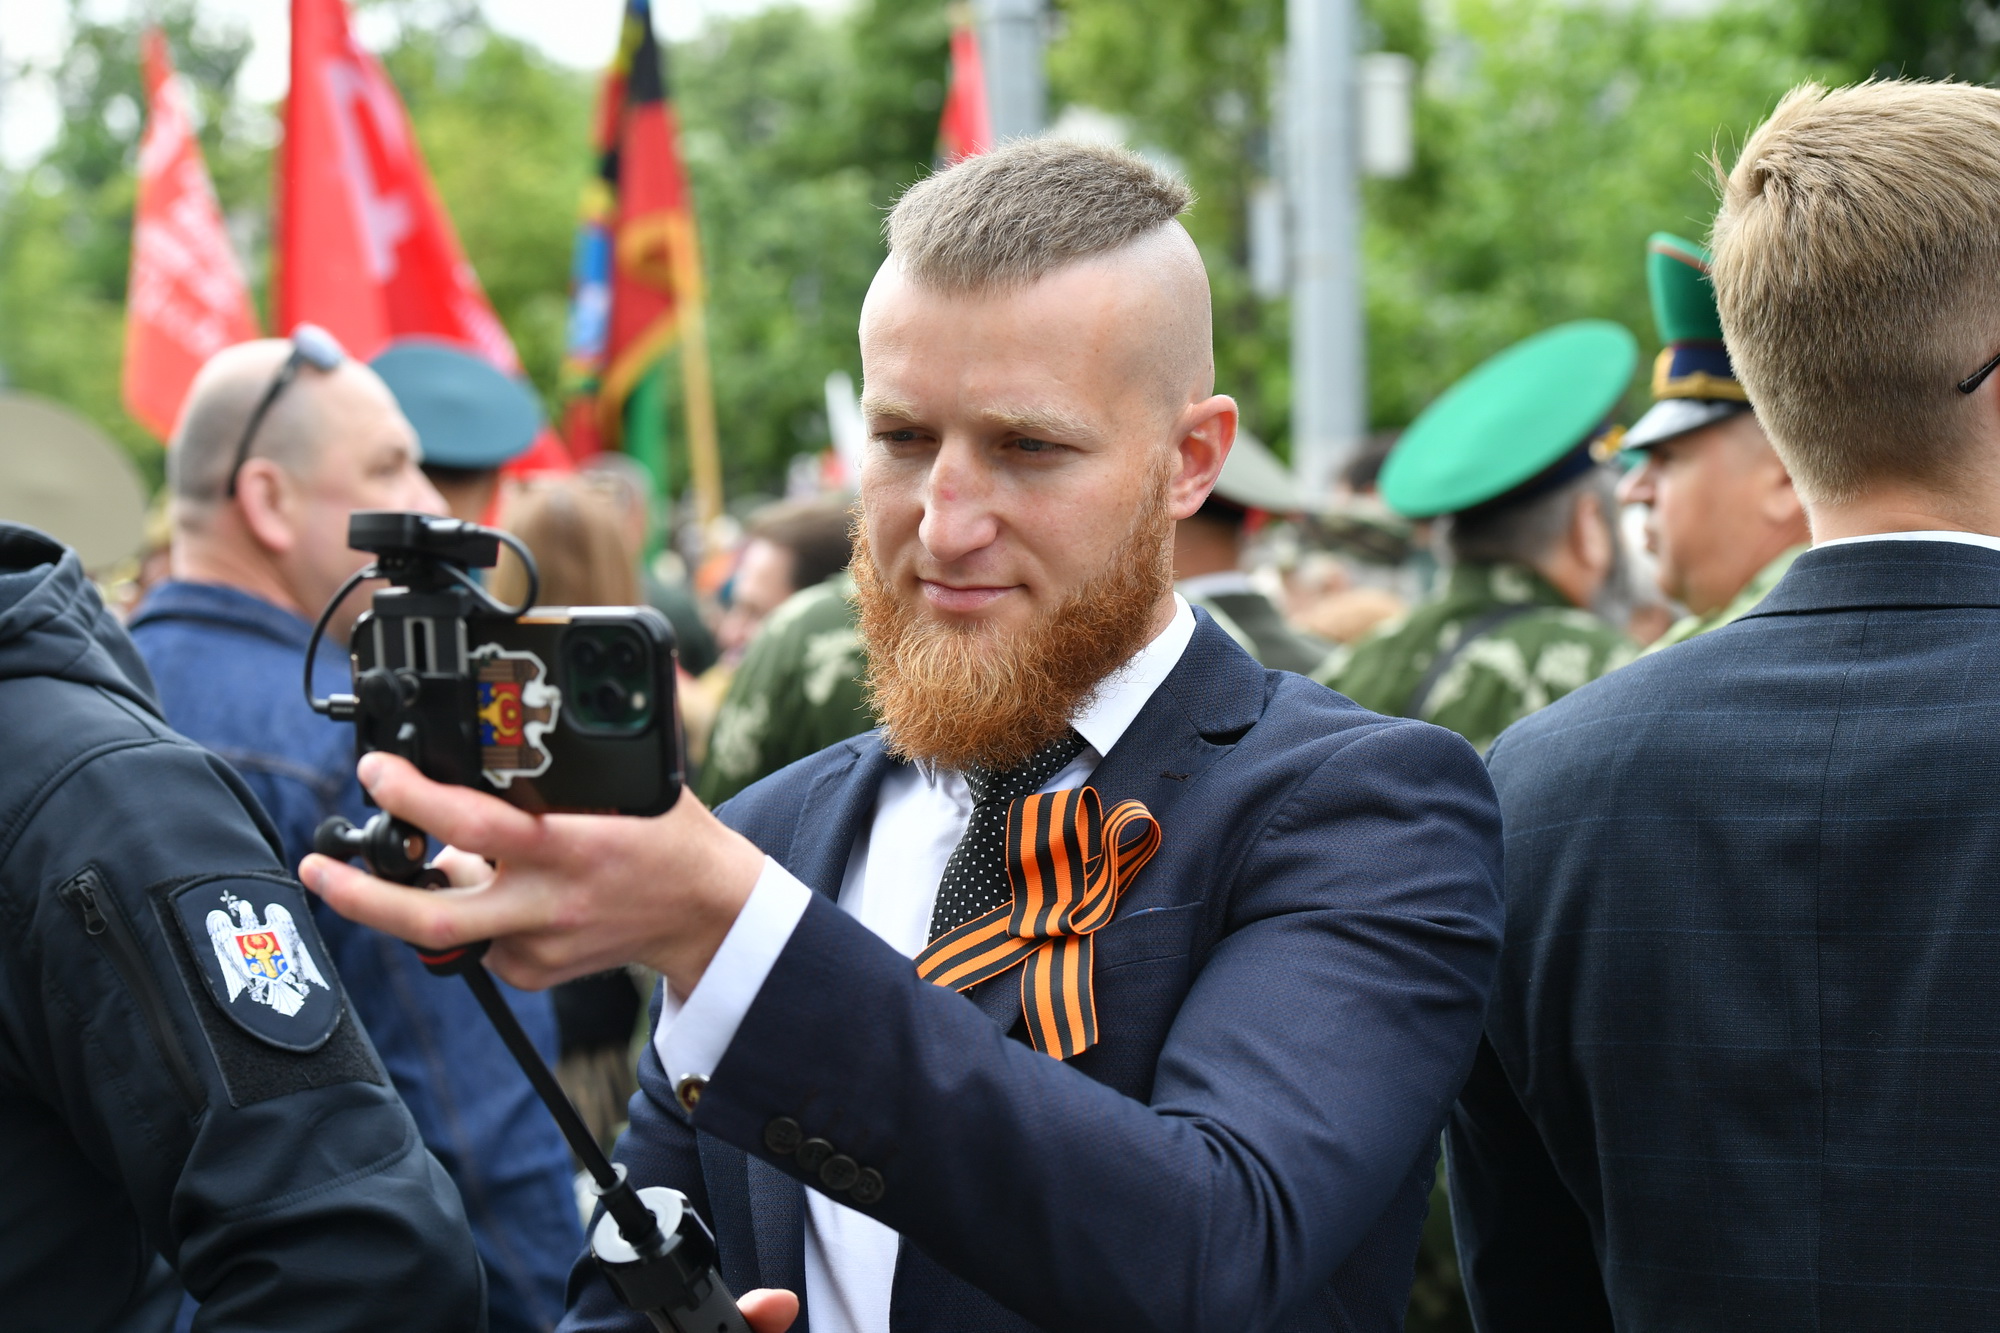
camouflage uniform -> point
(1753, 592)
(797, 691)
(1508, 672)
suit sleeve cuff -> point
(693, 1033)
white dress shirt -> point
(920, 814)
(1932, 535)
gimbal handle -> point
(658, 1255)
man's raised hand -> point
(563, 895)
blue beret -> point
(467, 412)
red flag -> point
(364, 247)
(966, 127)
(185, 300)
(547, 454)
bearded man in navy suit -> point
(1201, 950)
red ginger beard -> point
(967, 696)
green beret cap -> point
(467, 413)
(1541, 403)
(1683, 294)
(1694, 383)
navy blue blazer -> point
(1288, 997)
(1743, 1067)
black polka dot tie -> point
(975, 878)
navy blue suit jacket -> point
(1745, 1046)
(1288, 997)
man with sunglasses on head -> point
(280, 440)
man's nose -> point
(1636, 486)
(423, 497)
(959, 516)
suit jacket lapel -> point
(835, 813)
(1212, 696)
(1169, 743)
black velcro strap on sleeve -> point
(261, 981)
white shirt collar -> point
(1119, 697)
(1935, 535)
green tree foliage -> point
(1196, 79)
(1932, 39)
(1552, 138)
(506, 133)
(798, 131)
(66, 225)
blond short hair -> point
(1857, 265)
(1007, 218)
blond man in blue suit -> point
(1739, 1069)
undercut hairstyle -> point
(1007, 218)
(210, 431)
(1857, 266)
(1524, 531)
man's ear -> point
(1777, 499)
(1207, 430)
(1591, 533)
(266, 496)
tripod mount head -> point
(415, 701)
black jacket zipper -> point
(103, 920)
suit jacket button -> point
(867, 1186)
(688, 1092)
(782, 1135)
(813, 1153)
(839, 1172)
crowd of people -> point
(1043, 944)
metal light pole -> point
(1329, 384)
(1012, 36)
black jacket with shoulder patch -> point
(185, 1098)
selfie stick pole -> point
(655, 1252)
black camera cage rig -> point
(654, 1250)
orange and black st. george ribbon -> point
(1067, 862)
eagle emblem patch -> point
(517, 708)
(262, 968)
(266, 959)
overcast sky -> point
(579, 33)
